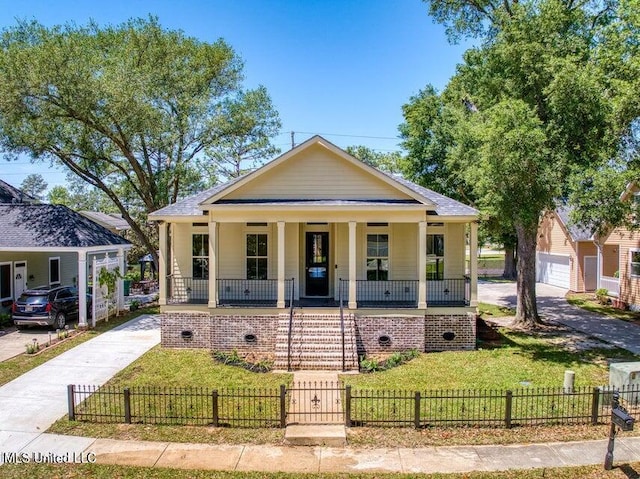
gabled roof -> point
(111, 221)
(415, 195)
(51, 226)
(577, 232)
(10, 194)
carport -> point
(45, 245)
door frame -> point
(584, 271)
(26, 276)
(315, 228)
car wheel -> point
(60, 321)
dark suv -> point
(45, 307)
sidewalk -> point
(299, 459)
(32, 402)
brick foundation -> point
(224, 333)
(404, 332)
(450, 332)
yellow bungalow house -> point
(316, 259)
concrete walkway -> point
(32, 402)
(553, 307)
(15, 342)
(299, 459)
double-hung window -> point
(377, 257)
(634, 266)
(257, 256)
(435, 256)
(54, 271)
(200, 255)
(5, 281)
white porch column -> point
(422, 265)
(82, 289)
(163, 258)
(213, 264)
(123, 270)
(353, 304)
(281, 272)
(473, 263)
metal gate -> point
(316, 402)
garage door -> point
(554, 269)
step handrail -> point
(341, 322)
(293, 285)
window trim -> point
(377, 230)
(193, 234)
(631, 273)
(433, 257)
(264, 232)
(10, 264)
(59, 282)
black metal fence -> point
(231, 292)
(246, 407)
(181, 290)
(448, 292)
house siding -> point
(585, 248)
(629, 285)
(319, 174)
(553, 238)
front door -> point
(19, 278)
(317, 264)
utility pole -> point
(293, 140)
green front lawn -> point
(588, 302)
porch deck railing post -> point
(508, 405)
(126, 394)
(71, 401)
(595, 400)
(347, 406)
(214, 407)
(416, 410)
(283, 406)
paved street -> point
(553, 307)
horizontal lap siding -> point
(454, 250)
(585, 248)
(231, 251)
(553, 238)
(317, 174)
(629, 285)
(404, 253)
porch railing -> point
(252, 292)
(612, 285)
(231, 292)
(448, 292)
(181, 290)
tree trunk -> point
(509, 263)
(526, 306)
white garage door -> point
(554, 269)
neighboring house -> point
(47, 245)
(313, 247)
(112, 221)
(566, 254)
(9, 194)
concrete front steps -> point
(316, 343)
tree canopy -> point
(34, 185)
(530, 108)
(134, 110)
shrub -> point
(371, 365)
(234, 359)
(32, 347)
(5, 319)
(602, 296)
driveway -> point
(32, 402)
(553, 307)
(14, 343)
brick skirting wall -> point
(173, 325)
(403, 333)
(450, 332)
(224, 333)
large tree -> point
(531, 106)
(34, 185)
(134, 110)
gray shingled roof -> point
(577, 232)
(10, 194)
(52, 226)
(107, 220)
(444, 206)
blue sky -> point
(339, 68)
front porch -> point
(244, 293)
